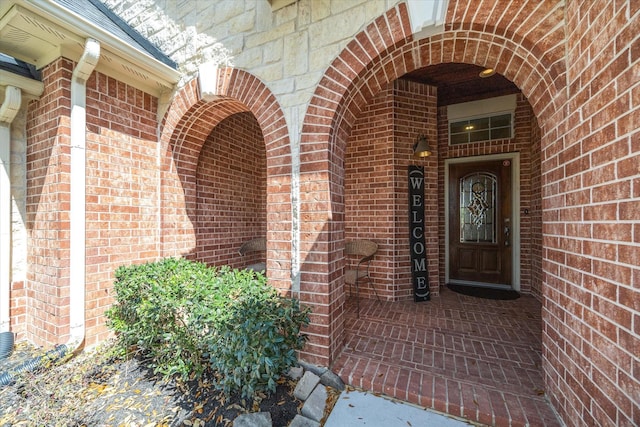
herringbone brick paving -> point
(473, 358)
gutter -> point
(69, 19)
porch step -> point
(466, 399)
(472, 358)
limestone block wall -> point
(18, 178)
(288, 49)
(18, 195)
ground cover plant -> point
(97, 389)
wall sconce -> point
(421, 148)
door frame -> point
(515, 210)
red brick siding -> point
(415, 113)
(18, 310)
(231, 191)
(535, 211)
(186, 126)
(591, 172)
(122, 201)
(531, 56)
(48, 167)
(379, 150)
(369, 189)
(121, 198)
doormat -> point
(486, 293)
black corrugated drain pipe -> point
(6, 344)
(8, 377)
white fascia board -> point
(32, 88)
(84, 29)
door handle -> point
(507, 232)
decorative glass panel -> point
(478, 208)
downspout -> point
(77, 216)
(78, 175)
(8, 111)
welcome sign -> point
(418, 251)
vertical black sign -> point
(418, 250)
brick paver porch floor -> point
(473, 358)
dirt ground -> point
(93, 389)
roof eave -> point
(126, 62)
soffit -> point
(458, 83)
(40, 32)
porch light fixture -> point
(487, 72)
(421, 148)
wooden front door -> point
(480, 223)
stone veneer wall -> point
(288, 49)
(18, 154)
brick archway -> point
(384, 51)
(185, 128)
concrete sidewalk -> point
(357, 408)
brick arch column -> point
(185, 127)
(384, 51)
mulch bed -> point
(94, 390)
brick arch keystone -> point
(185, 127)
(382, 52)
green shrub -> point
(185, 317)
(257, 341)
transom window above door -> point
(482, 120)
(481, 129)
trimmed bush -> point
(184, 317)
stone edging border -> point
(313, 388)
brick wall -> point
(122, 210)
(189, 123)
(535, 211)
(591, 200)
(416, 109)
(379, 151)
(48, 167)
(372, 184)
(231, 192)
(122, 200)
(369, 189)
(576, 61)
